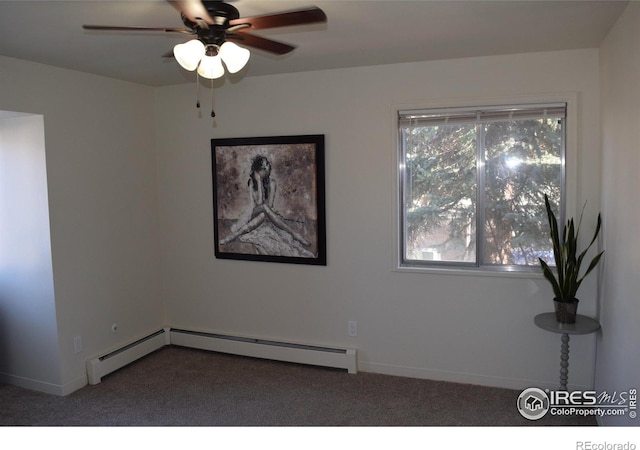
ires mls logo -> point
(534, 403)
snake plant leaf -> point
(548, 274)
(592, 265)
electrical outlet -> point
(352, 328)
(77, 344)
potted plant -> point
(567, 279)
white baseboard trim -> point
(33, 385)
(460, 377)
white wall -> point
(618, 356)
(29, 353)
(106, 183)
(101, 178)
(466, 328)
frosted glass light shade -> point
(189, 54)
(211, 67)
(234, 56)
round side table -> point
(583, 325)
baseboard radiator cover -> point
(341, 358)
(120, 357)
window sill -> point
(472, 271)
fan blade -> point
(115, 28)
(193, 10)
(269, 45)
(298, 17)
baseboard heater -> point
(116, 359)
(340, 358)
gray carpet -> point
(184, 387)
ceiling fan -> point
(215, 24)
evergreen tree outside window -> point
(472, 185)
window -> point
(472, 184)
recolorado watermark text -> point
(589, 445)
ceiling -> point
(358, 33)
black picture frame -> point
(269, 199)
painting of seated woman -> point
(269, 199)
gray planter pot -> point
(566, 311)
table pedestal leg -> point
(564, 362)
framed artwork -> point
(269, 200)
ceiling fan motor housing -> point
(213, 34)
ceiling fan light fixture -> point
(234, 56)
(189, 54)
(211, 67)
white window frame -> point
(569, 174)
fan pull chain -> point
(197, 91)
(213, 114)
